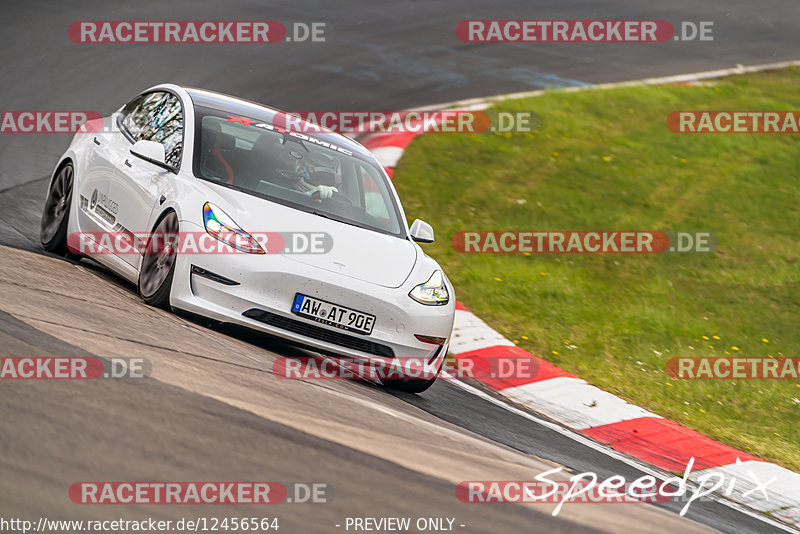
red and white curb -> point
(595, 413)
(627, 428)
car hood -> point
(355, 252)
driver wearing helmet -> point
(304, 171)
(318, 172)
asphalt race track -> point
(212, 410)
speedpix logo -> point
(586, 488)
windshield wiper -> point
(318, 214)
(343, 221)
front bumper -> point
(263, 291)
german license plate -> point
(332, 314)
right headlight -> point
(221, 226)
(433, 292)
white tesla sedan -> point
(203, 166)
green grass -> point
(615, 319)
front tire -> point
(412, 385)
(55, 216)
(158, 263)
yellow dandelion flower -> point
(683, 160)
(524, 337)
(516, 342)
(498, 279)
(667, 383)
(715, 337)
(702, 410)
(777, 434)
(705, 337)
(734, 348)
(554, 352)
(606, 159)
(765, 340)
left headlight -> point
(219, 225)
(433, 292)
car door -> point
(138, 184)
(99, 167)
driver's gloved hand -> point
(325, 191)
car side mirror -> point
(421, 232)
(151, 152)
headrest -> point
(226, 141)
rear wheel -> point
(55, 216)
(158, 263)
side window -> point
(166, 127)
(375, 196)
(138, 112)
(156, 117)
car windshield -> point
(304, 171)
